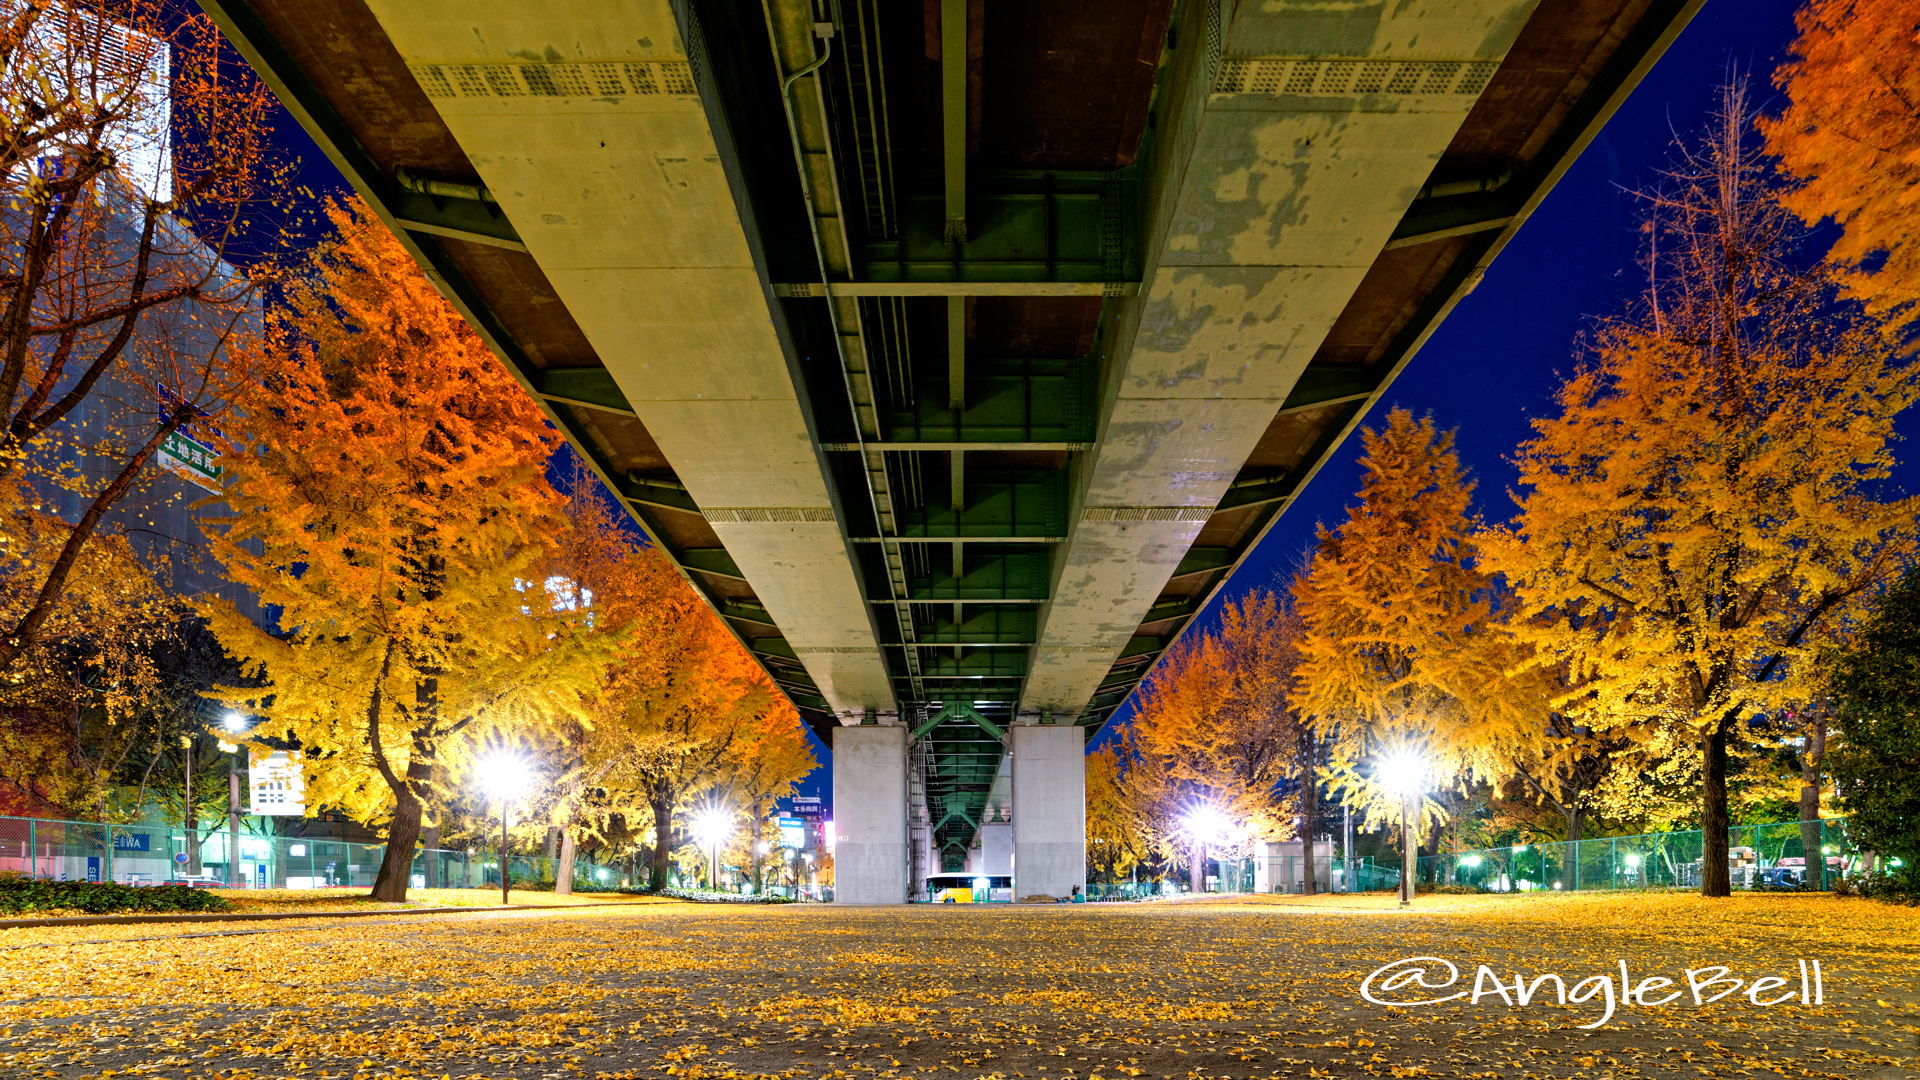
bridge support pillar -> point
(870, 814)
(1049, 809)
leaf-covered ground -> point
(252, 900)
(1247, 990)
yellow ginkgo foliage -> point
(1699, 514)
(390, 503)
(1396, 614)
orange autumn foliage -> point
(682, 713)
(1851, 135)
(387, 480)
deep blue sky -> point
(1494, 362)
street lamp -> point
(712, 827)
(1403, 772)
(504, 775)
(1208, 826)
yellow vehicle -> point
(969, 889)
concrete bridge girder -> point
(623, 201)
(1265, 211)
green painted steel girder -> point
(1000, 503)
(650, 491)
(1019, 401)
(989, 573)
(590, 386)
(978, 625)
(957, 710)
(984, 663)
(956, 812)
(712, 561)
(1201, 559)
(1021, 226)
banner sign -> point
(131, 842)
(792, 833)
(276, 785)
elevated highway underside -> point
(956, 351)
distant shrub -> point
(22, 895)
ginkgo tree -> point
(1698, 515)
(387, 481)
(121, 322)
(1850, 136)
(1215, 736)
(1395, 613)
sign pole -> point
(233, 823)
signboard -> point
(93, 868)
(806, 806)
(131, 842)
(190, 461)
(276, 784)
(792, 833)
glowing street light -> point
(504, 775)
(712, 828)
(1403, 773)
(1209, 826)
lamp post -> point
(1401, 772)
(234, 724)
(712, 827)
(1208, 826)
(504, 775)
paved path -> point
(1160, 991)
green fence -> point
(1760, 857)
(158, 854)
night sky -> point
(1495, 361)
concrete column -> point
(870, 814)
(996, 849)
(1049, 810)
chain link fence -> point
(158, 854)
(1781, 855)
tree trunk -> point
(662, 845)
(403, 834)
(1715, 874)
(563, 874)
(1816, 857)
(433, 860)
(1576, 832)
(1197, 876)
(1309, 813)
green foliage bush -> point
(1876, 767)
(21, 895)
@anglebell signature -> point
(1409, 975)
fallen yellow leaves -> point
(1243, 990)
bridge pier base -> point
(1049, 810)
(870, 814)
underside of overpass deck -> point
(957, 351)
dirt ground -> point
(1235, 990)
